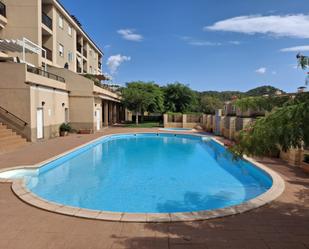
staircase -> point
(9, 140)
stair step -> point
(3, 127)
(11, 140)
(7, 131)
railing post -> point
(184, 120)
(165, 120)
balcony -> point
(45, 74)
(79, 48)
(85, 53)
(47, 21)
(49, 54)
(3, 20)
(2, 9)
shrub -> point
(65, 127)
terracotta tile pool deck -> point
(283, 224)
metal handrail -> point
(2, 9)
(47, 20)
(8, 112)
(49, 53)
(43, 73)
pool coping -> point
(21, 191)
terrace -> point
(281, 224)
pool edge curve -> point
(20, 190)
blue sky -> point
(208, 44)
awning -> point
(105, 97)
(18, 46)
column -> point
(114, 113)
(105, 103)
(110, 113)
(184, 121)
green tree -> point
(283, 128)
(210, 104)
(140, 97)
(179, 98)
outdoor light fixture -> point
(63, 104)
(43, 103)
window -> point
(60, 22)
(70, 56)
(70, 31)
(61, 50)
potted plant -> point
(305, 163)
(64, 128)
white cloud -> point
(130, 35)
(204, 43)
(261, 70)
(274, 72)
(296, 49)
(199, 43)
(235, 42)
(283, 26)
(114, 62)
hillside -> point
(227, 95)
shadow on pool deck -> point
(283, 224)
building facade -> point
(42, 83)
(49, 25)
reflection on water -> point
(193, 201)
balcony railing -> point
(47, 20)
(79, 47)
(85, 53)
(49, 54)
(2, 9)
(45, 74)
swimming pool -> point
(149, 173)
(149, 177)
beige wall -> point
(22, 99)
(23, 21)
(68, 41)
(15, 96)
(82, 112)
(82, 101)
(53, 110)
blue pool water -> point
(150, 173)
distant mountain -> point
(227, 95)
(223, 96)
(262, 90)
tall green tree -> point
(179, 98)
(210, 104)
(283, 128)
(142, 96)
